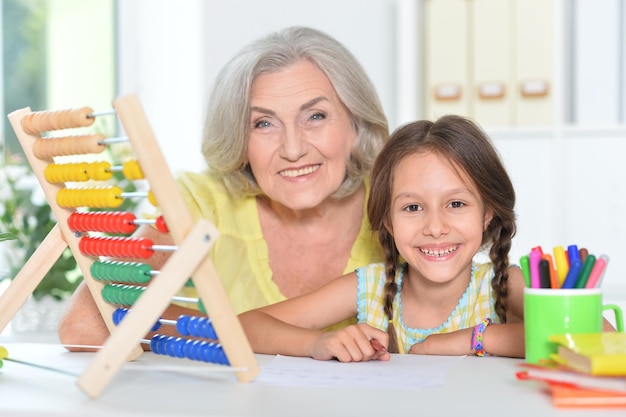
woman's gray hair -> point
(224, 143)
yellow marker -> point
(562, 266)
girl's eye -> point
(412, 207)
(457, 204)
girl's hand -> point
(355, 343)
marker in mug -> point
(544, 273)
(583, 253)
(524, 263)
(597, 272)
(562, 266)
(554, 280)
(535, 280)
(572, 275)
(572, 253)
(590, 260)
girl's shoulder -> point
(485, 269)
(482, 269)
(372, 272)
(377, 271)
(371, 279)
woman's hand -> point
(355, 343)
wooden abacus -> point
(227, 344)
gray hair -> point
(224, 143)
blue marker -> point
(572, 254)
(572, 275)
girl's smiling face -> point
(301, 136)
(437, 218)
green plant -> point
(25, 221)
(7, 236)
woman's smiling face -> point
(301, 136)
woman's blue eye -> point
(318, 116)
(262, 123)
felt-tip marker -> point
(572, 275)
(590, 260)
(562, 266)
(524, 263)
(554, 279)
(535, 277)
(572, 254)
(544, 273)
(597, 272)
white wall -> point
(171, 51)
(570, 190)
(569, 182)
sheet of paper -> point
(401, 371)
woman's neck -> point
(330, 210)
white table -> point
(474, 387)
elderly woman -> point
(293, 128)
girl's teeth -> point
(440, 252)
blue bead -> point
(222, 356)
(156, 326)
(177, 347)
(207, 329)
(169, 347)
(192, 327)
(153, 345)
(119, 314)
(193, 350)
(182, 325)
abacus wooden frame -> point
(194, 240)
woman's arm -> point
(295, 327)
(81, 323)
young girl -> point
(439, 194)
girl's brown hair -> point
(470, 151)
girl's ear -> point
(487, 219)
(388, 227)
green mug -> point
(559, 311)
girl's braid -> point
(391, 287)
(498, 254)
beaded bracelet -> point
(477, 337)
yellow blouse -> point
(240, 254)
